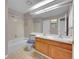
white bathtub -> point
(15, 44)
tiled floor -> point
(21, 54)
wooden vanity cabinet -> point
(54, 49)
(59, 53)
(42, 47)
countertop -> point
(55, 37)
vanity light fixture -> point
(62, 4)
(42, 3)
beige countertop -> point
(60, 38)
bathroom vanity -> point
(54, 47)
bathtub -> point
(14, 45)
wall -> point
(11, 29)
(38, 25)
(28, 25)
(15, 25)
(71, 21)
(54, 28)
(32, 25)
(15, 28)
(20, 28)
(46, 26)
(6, 29)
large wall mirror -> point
(59, 26)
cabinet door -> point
(42, 47)
(59, 53)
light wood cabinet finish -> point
(59, 53)
(54, 49)
(42, 47)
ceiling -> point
(23, 6)
(55, 13)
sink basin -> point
(63, 37)
(51, 36)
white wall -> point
(6, 29)
(71, 20)
(11, 29)
(19, 28)
(15, 25)
(46, 26)
(28, 24)
(15, 28)
(38, 26)
(54, 28)
(28, 27)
